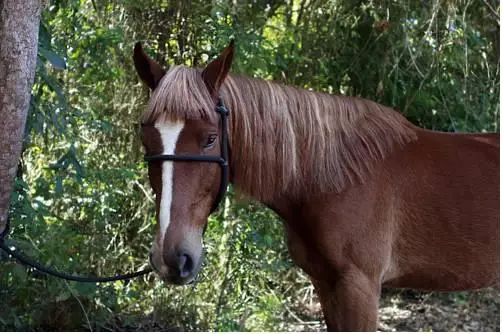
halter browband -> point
(222, 160)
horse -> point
(367, 198)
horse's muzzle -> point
(179, 268)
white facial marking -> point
(169, 133)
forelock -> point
(180, 95)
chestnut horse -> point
(367, 198)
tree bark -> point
(19, 24)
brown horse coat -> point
(367, 198)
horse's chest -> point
(303, 255)
(297, 249)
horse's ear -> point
(215, 73)
(148, 69)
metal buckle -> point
(220, 107)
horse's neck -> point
(288, 142)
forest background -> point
(82, 201)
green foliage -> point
(82, 202)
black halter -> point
(222, 160)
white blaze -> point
(169, 133)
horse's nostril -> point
(185, 265)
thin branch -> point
(494, 12)
(150, 199)
(80, 303)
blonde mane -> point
(284, 139)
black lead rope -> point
(50, 271)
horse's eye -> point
(211, 140)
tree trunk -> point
(19, 22)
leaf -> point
(59, 185)
(56, 61)
(44, 36)
(58, 90)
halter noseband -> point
(222, 160)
